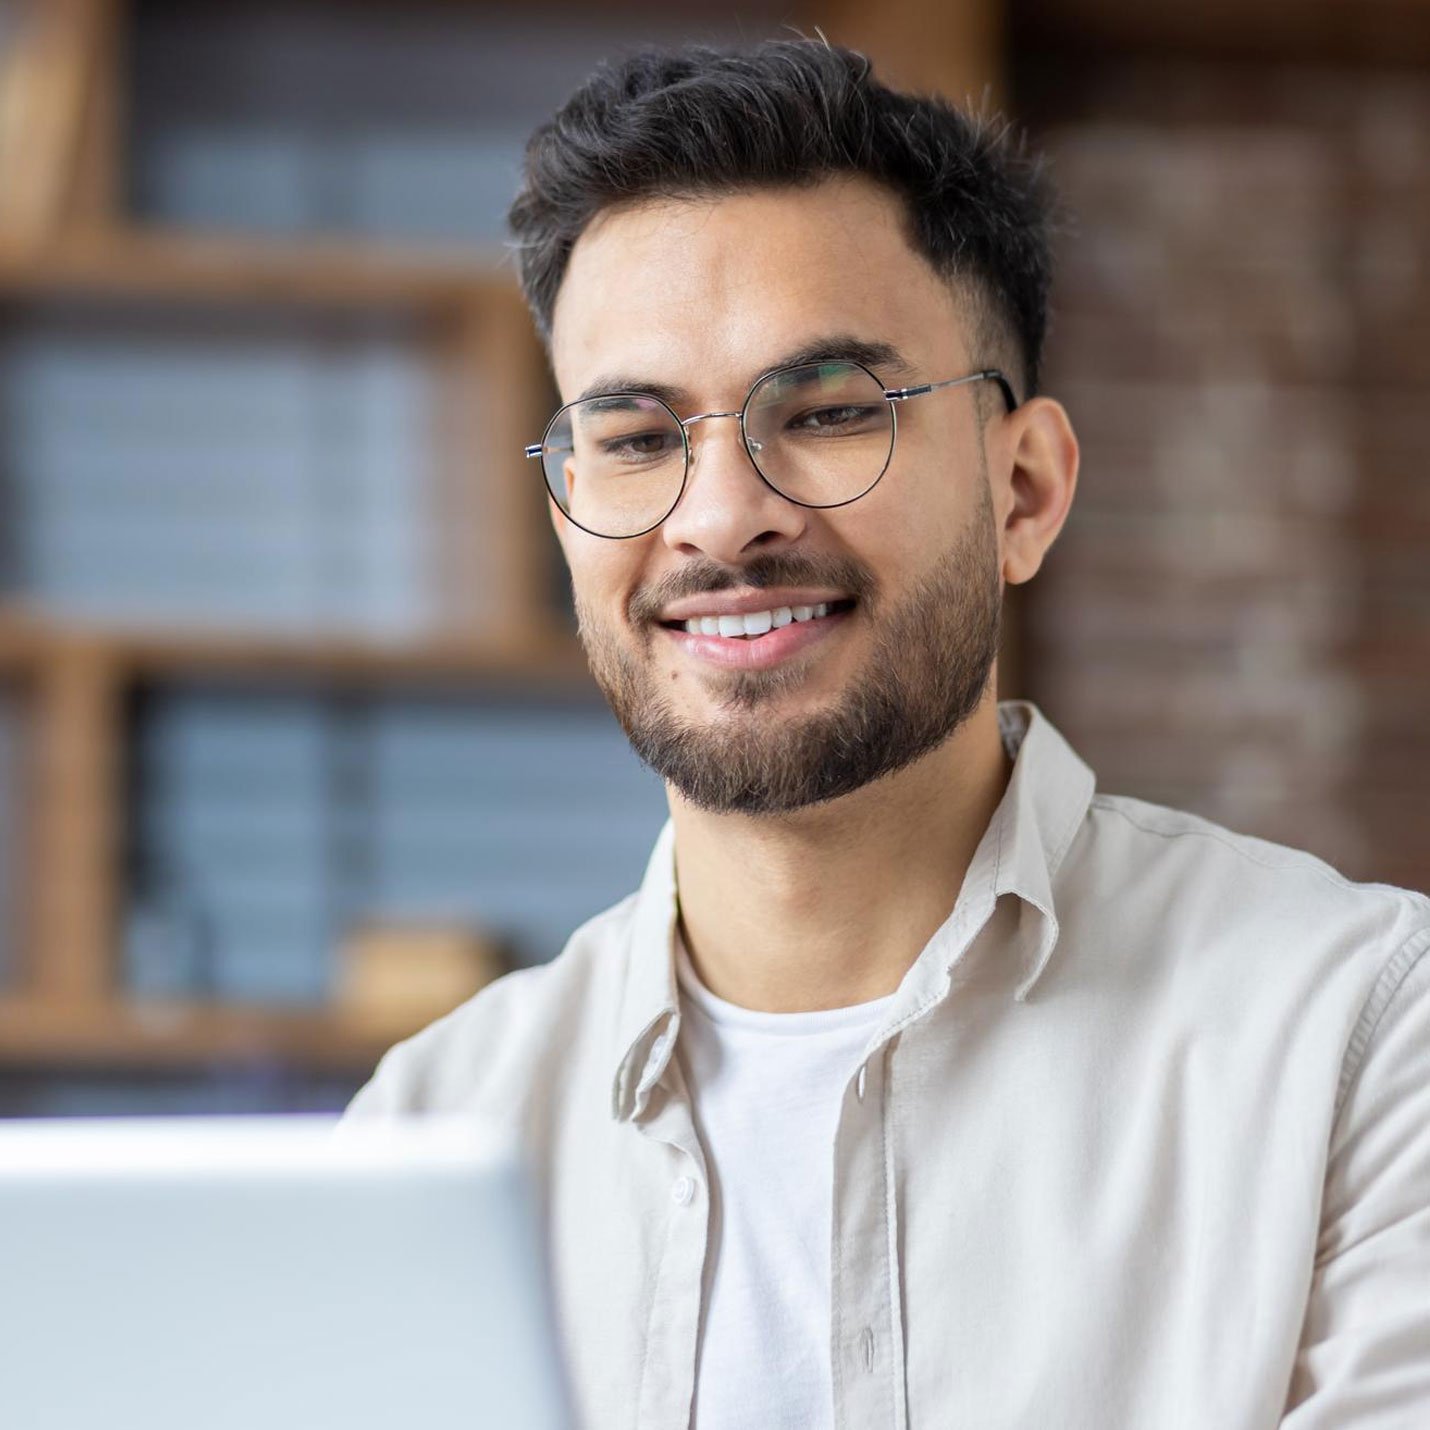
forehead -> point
(706, 292)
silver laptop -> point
(265, 1274)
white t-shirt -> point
(766, 1089)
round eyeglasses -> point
(820, 434)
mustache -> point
(701, 577)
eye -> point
(834, 420)
(639, 445)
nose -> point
(727, 510)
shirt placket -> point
(666, 1393)
(866, 1319)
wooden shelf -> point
(154, 265)
(27, 641)
(175, 1036)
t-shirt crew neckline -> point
(754, 1020)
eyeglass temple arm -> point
(990, 374)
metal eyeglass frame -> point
(893, 395)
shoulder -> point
(516, 1034)
(1195, 862)
(1244, 939)
(1244, 911)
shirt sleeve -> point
(381, 1096)
(1364, 1358)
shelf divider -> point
(74, 814)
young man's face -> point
(703, 297)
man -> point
(919, 1084)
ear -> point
(1039, 467)
(560, 523)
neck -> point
(831, 905)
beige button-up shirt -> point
(1143, 1140)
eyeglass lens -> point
(821, 435)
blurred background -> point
(296, 746)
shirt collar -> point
(1042, 809)
(1043, 806)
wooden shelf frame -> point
(486, 370)
(134, 1035)
(67, 1007)
(31, 643)
(213, 270)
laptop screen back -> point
(169, 1274)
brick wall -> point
(1236, 619)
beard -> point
(927, 673)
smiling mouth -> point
(753, 625)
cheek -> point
(604, 574)
(889, 532)
(920, 509)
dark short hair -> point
(695, 120)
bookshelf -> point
(71, 252)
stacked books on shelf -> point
(396, 121)
(259, 474)
(270, 827)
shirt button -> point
(682, 1191)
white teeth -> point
(753, 623)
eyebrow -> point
(880, 357)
